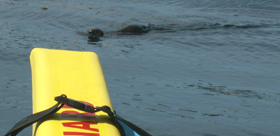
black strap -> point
(33, 118)
(78, 105)
(87, 108)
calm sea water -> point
(210, 69)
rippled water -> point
(210, 68)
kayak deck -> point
(78, 75)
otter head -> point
(95, 32)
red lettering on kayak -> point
(85, 125)
(81, 125)
(80, 134)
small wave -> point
(235, 92)
(227, 26)
(201, 26)
(243, 26)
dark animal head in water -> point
(95, 32)
(134, 29)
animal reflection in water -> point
(95, 33)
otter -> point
(95, 32)
(134, 29)
(131, 29)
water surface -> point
(210, 69)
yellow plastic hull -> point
(79, 76)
